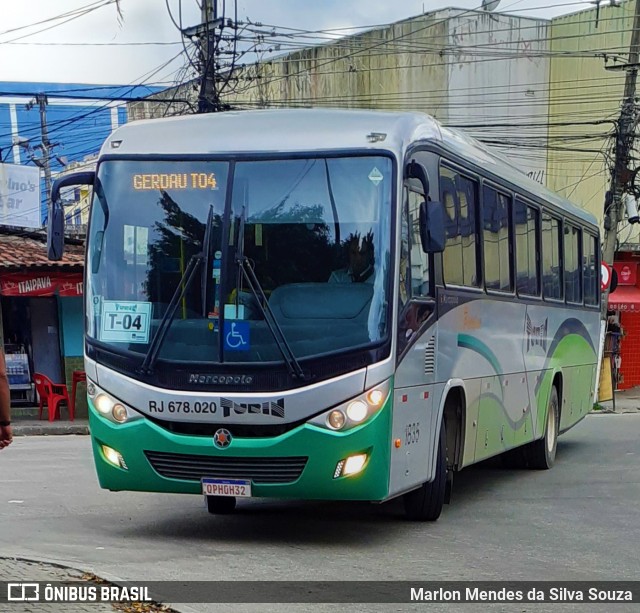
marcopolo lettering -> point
(276, 409)
(220, 379)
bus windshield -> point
(316, 233)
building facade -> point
(486, 72)
(41, 322)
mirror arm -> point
(415, 170)
(77, 178)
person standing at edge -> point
(6, 435)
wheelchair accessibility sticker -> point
(236, 336)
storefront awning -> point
(41, 284)
(625, 298)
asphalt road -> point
(579, 521)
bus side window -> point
(460, 197)
(551, 263)
(419, 259)
(527, 223)
(590, 269)
(414, 272)
(496, 212)
(572, 268)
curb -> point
(104, 576)
(34, 430)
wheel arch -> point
(453, 411)
(557, 382)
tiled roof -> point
(20, 252)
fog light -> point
(113, 457)
(336, 419)
(91, 389)
(103, 403)
(357, 411)
(354, 464)
(338, 471)
(119, 413)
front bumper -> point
(323, 448)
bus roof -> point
(314, 130)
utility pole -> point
(208, 101)
(215, 74)
(41, 101)
(46, 146)
(621, 174)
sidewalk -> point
(25, 422)
(626, 401)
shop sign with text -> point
(41, 284)
(20, 196)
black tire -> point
(541, 454)
(425, 503)
(221, 505)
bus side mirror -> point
(55, 233)
(55, 225)
(432, 230)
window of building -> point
(527, 223)
(496, 211)
(590, 269)
(572, 268)
(551, 261)
(459, 194)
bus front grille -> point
(192, 467)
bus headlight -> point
(111, 408)
(354, 412)
(119, 413)
(336, 419)
(357, 411)
(103, 403)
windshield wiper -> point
(293, 366)
(206, 253)
(165, 323)
(184, 284)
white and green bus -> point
(326, 304)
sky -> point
(55, 51)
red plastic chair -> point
(52, 394)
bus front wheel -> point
(425, 503)
(542, 453)
(221, 505)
